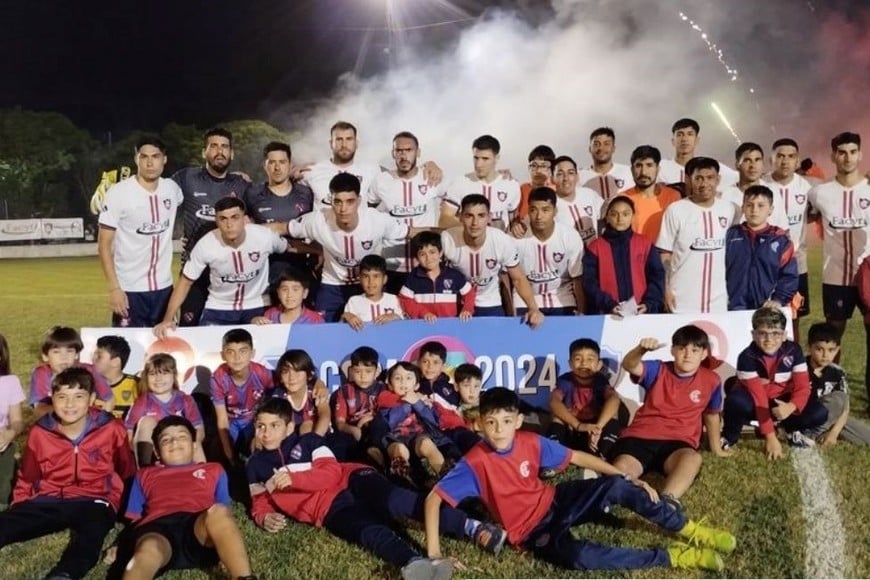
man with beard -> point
(650, 198)
(202, 188)
(404, 194)
(343, 143)
(605, 177)
(280, 200)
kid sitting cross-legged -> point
(160, 396)
(181, 511)
(353, 403)
(297, 383)
(297, 476)
(502, 471)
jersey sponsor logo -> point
(199, 194)
(707, 244)
(542, 276)
(199, 474)
(348, 262)
(481, 280)
(695, 396)
(408, 210)
(586, 233)
(153, 229)
(795, 219)
(366, 245)
(800, 198)
(850, 223)
(254, 256)
(491, 263)
(502, 196)
(524, 469)
(264, 209)
(558, 256)
(205, 212)
(240, 278)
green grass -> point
(758, 500)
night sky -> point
(122, 65)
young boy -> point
(353, 403)
(468, 379)
(236, 387)
(502, 471)
(760, 265)
(665, 433)
(374, 305)
(433, 380)
(291, 290)
(110, 358)
(297, 476)
(587, 412)
(433, 289)
(61, 347)
(181, 531)
(829, 387)
(772, 384)
(71, 476)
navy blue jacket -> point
(759, 266)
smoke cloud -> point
(553, 76)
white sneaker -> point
(799, 440)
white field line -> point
(825, 537)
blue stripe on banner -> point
(509, 353)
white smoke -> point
(633, 66)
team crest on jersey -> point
(448, 284)
(864, 202)
(296, 452)
(524, 469)
(588, 210)
(254, 256)
(199, 474)
(723, 221)
(800, 198)
(491, 263)
(423, 189)
(695, 396)
(774, 246)
(127, 395)
(167, 203)
(788, 361)
(389, 311)
(502, 195)
(366, 245)
(558, 256)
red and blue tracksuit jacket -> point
(759, 266)
(446, 296)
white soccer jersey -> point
(320, 174)
(411, 201)
(483, 265)
(239, 277)
(582, 213)
(846, 215)
(735, 195)
(695, 236)
(143, 223)
(607, 185)
(342, 251)
(672, 172)
(790, 208)
(503, 195)
(551, 266)
(368, 310)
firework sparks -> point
(725, 121)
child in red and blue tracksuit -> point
(760, 264)
(71, 476)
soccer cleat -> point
(490, 537)
(728, 445)
(799, 440)
(426, 569)
(698, 534)
(690, 557)
(400, 468)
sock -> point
(471, 527)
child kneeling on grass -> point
(181, 511)
(297, 476)
(503, 470)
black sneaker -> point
(490, 537)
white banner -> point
(62, 228)
(20, 230)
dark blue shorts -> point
(146, 309)
(211, 317)
(840, 301)
(331, 299)
(488, 311)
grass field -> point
(758, 500)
